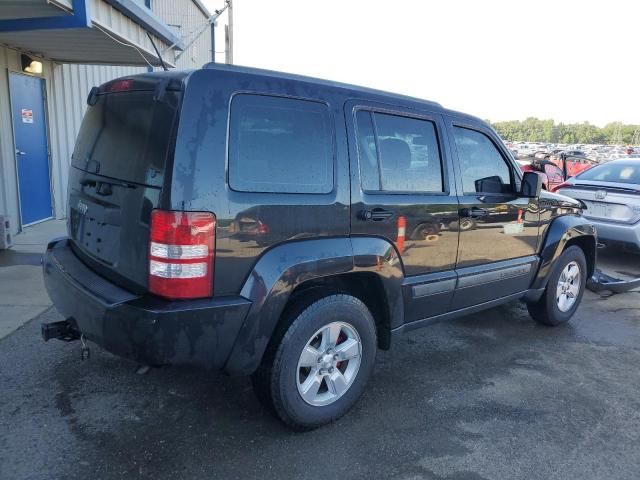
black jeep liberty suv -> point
(286, 228)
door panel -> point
(496, 223)
(32, 159)
(402, 190)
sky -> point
(569, 60)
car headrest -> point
(395, 153)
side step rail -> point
(601, 281)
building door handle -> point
(20, 152)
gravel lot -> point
(491, 396)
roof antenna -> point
(164, 67)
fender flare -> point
(281, 269)
(562, 231)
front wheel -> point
(322, 363)
(564, 291)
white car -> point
(611, 192)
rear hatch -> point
(121, 162)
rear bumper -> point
(145, 329)
(609, 232)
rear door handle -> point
(20, 152)
(377, 214)
(474, 212)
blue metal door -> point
(32, 158)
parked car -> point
(572, 165)
(552, 175)
(611, 192)
(525, 151)
(354, 199)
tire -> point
(465, 224)
(553, 309)
(280, 379)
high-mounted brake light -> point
(121, 86)
(181, 252)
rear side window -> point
(484, 170)
(398, 154)
(280, 145)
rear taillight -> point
(263, 228)
(181, 254)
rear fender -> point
(280, 270)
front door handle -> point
(474, 212)
(20, 152)
(377, 214)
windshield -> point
(613, 172)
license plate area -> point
(95, 228)
(609, 211)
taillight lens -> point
(562, 185)
(181, 254)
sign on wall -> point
(27, 115)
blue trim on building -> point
(145, 17)
(81, 18)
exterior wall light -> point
(30, 65)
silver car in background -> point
(611, 192)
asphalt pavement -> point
(489, 396)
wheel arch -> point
(368, 268)
(564, 232)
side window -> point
(484, 170)
(280, 145)
(398, 154)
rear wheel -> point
(321, 364)
(564, 291)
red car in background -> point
(556, 170)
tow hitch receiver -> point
(62, 330)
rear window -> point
(280, 145)
(128, 136)
(613, 172)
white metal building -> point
(51, 53)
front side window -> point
(280, 145)
(484, 170)
(398, 154)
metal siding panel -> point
(8, 198)
(191, 19)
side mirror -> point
(531, 185)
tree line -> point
(548, 131)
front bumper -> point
(146, 329)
